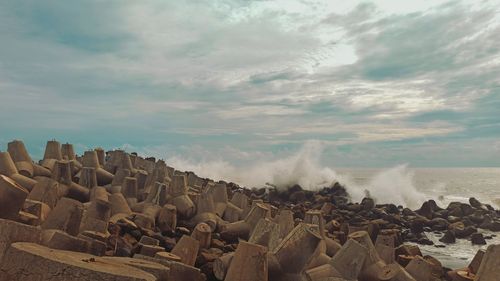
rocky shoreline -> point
(119, 216)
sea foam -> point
(304, 167)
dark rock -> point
(475, 203)
(298, 196)
(392, 209)
(425, 241)
(494, 226)
(368, 203)
(417, 226)
(426, 210)
(449, 237)
(438, 224)
(466, 232)
(456, 212)
(478, 239)
(477, 217)
(408, 212)
(467, 209)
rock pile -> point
(119, 216)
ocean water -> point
(444, 185)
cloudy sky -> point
(374, 83)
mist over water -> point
(395, 185)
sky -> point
(366, 83)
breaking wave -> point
(394, 185)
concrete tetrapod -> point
(221, 265)
(315, 217)
(88, 178)
(350, 259)
(68, 152)
(161, 272)
(12, 197)
(11, 232)
(294, 251)
(119, 204)
(420, 268)
(240, 200)
(385, 247)
(203, 233)
(61, 172)
(46, 190)
(490, 264)
(66, 216)
(219, 192)
(179, 198)
(319, 256)
(187, 249)
(129, 190)
(23, 161)
(119, 177)
(8, 168)
(394, 272)
(232, 213)
(321, 272)
(373, 264)
(52, 154)
(33, 262)
(249, 263)
(205, 211)
(243, 229)
(101, 156)
(266, 233)
(285, 221)
(167, 218)
(183, 272)
(90, 160)
(157, 194)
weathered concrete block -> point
(33, 262)
(167, 218)
(11, 232)
(297, 249)
(350, 259)
(160, 271)
(95, 247)
(57, 239)
(187, 249)
(12, 197)
(183, 272)
(66, 216)
(38, 209)
(46, 190)
(203, 233)
(249, 263)
(150, 250)
(490, 264)
(266, 233)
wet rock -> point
(449, 237)
(478, 239)
(368, 203)
(417, 225)
(465, 232)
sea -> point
(444, 185)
